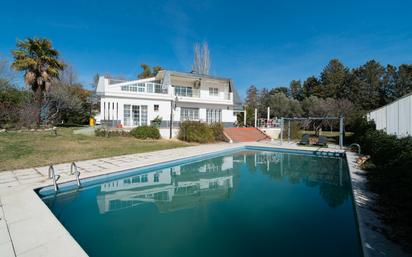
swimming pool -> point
(248, 202)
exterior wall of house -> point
(112, 108)
(110, 113)
(206, 93)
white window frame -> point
(213, 91)
(189, 114)
(127, 110)
(141, 87)
(135, 115)
(213, 115)
(148, 87)
(183, 91)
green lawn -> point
(32, 149)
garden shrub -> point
(102, 132)
(217, 130)
(195, 131)
(145, 132)
(389, 175)
(157, 121)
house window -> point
(149, 87)
(156, 107)
(141, 87)
(183, 91)
(104, 110)
(136, 179)
(213, 91)
(213, 115)
(108, 110)
(158, 88)
(144, 115)
(136, 114)
(156, 177)
(189, 114)
(133, 88)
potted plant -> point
(156, 121)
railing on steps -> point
(52, 175)
(75, 171)
(357, 145)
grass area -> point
(32, 149)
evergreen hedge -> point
(389, 173)
(145, 132)
(195, 131)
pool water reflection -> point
(250, 203)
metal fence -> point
(394, 118)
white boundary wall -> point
(394, 118)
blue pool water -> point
(244, 203)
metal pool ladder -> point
(53, 176)
(75, 171)
(357, 145)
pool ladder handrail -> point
(357, 145)
(52, 175)
(75, 171)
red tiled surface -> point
(246, 134)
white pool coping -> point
(374, 242)
(29, 228)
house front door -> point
(135, 115)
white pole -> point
(255, 117)
(341, 128)
(268, 114)
(281, 131)
(244, 118)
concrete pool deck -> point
(29, 228)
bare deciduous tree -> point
(68, 76)
(201, 59)
(60, 102)
(7, 74)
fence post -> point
(288, 131)
(341, 132)
(244, 118)
(171, 120)
(281, 131)
(255, 117)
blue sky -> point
(265, 43)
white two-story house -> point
(171, 96)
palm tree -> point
(40, 63)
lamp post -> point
(172, 107)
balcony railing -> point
(180, 91)
(187, 92)
(195, 93)
(148, 87)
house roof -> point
(236, 98)
(159, 76)
(194, 75)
